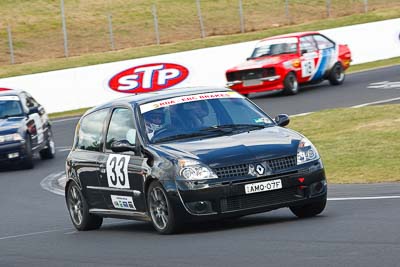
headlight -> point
(194, 170)
(10, 138)
(306, 152)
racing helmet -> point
(154, 119)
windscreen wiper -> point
(228, 128)
(179, 136)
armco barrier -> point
(88, 86)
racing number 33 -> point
(117, 171)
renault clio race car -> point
(24, 129)
(283, 62)
(182, 155)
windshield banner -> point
(9, 98)
(185, 99)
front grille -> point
(241, 170)
(250, 74)
(232, 171)
(282, 163)
(257, 200)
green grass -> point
(69, 113)
(139, 52)
(357, 145)
(375, 64)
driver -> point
(196, 112)
(154, 121)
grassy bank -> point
(357, 145)
(184, 45)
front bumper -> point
(228, 199)
(12, 152)
(264, 84)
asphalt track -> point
(360, 226)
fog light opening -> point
(200, 207)
(318, 187)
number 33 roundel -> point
(117, 171)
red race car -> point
(283, 62)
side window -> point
(90, 131)
(308, 44)
(121, 127)
(30, 102)
(322, 42)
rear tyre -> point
(50, 151)
(79, 210)
(161, 211)
(28, 161)
(309, 210)
(336, 76)
(290, 84)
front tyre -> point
(28, 161)
(161, 211)
(337, 76)
(290, 84)
(50, 151)
(309, 210)
(79, 210)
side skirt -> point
(121, 214)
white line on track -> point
(356, 106)
(70, 231)
(363, 198)
(376, 102)
(34, 233)
(49, 182)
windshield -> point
(203, 115)
(10, 106)
(275, 47)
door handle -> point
(103, 168)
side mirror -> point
(303, 51)
(33, 110)
(282, 120)
(122, 146)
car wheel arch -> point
(72, 180)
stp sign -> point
(148, 78)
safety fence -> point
(43, 29)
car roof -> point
(288, 35)
(139, 99)
(6, 91)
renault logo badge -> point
(260, 169)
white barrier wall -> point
(89, 86)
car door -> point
(122, 174)
(327, 53)
(34, 121)
(84, 157)
(309, 58)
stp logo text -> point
(148, 78)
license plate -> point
(252, 82)
(263, 186)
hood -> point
(268, 143)
(11, 125)
(263, 62)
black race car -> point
(24, 130)
(181, 155)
